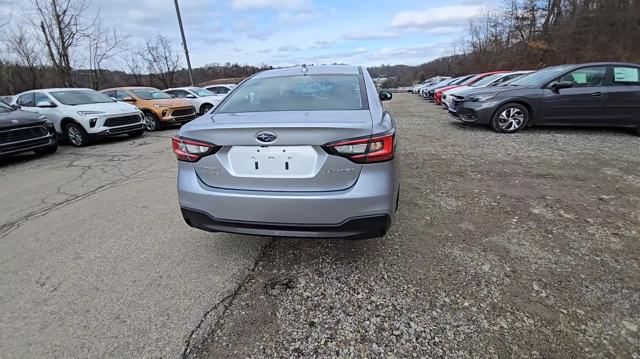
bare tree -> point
(104, 45)
(161, 60)
(133, 65)
(24, 47)
(62, 25)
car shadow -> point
(564, 130)
(298, 251)
(21, 158)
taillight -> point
(192, 150)
(378, 148)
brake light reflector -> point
(378, 148)
(192, 150)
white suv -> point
(222, 89)
(80, 114)
(203, 100)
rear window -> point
(626, 76)
(296, 93)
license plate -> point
(273, 161)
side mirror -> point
(45, 104)
(191, 96)
(385, 95)
(128, 99)
(113, 99)
(556, 87)
(16, 106)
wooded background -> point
(46, 48)
(531, 34)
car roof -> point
(58, 89)
(311, 70)
(129, 88)
(181, 88)
(589, 64)
(602, 64)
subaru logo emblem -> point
(266, 137)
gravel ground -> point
(522, 245)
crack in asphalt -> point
(108, 165)
(10, 226)
(227, 301)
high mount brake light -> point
(378, 148)
(191, 150)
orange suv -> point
(159, 108)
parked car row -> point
(593, 94)
(34, 120)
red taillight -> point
(192, 150)
(378, 148)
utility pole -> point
(184, 42)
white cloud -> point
(436, 17)
(244, 26)
(289, 48)
(322, 44)
(279, 5)
(261, 34)
(374, 35)
(445, 30)
(402, 54)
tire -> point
(638, 130)
(510, 118)
(151, 122)
(46, 150)
(76, 135)
(205, 108)
(135, 134)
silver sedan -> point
(294, 152)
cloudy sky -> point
(286, 32)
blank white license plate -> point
(273, 161)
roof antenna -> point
(304, 69)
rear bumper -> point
(355, 228)
(331, 214)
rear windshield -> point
(296, 93)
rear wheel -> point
(151, 122)
(76, 135)
(510, 118)
(205, 108)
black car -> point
(22, 131)
(596, 94)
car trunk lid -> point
(293, 161)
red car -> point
(437, 97)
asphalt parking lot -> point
(522, 245)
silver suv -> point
(294, 152)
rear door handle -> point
(597, 94)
